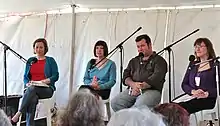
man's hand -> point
(135, 88)
(144, 85)
(135, 92)
(135, 85)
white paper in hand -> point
(39, 83)
(183, 98)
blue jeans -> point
(149, 98)
(30, 101)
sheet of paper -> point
(183, 98)
(39, 83)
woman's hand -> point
(199, 93)
(28, 84)
(204, 95)
(46, 81)
(95, 84)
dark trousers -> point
(103, 93)
(30, 101)
(196, 105)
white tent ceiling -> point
(18, 6)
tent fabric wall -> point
(113, 27)
(116, 26)
(22, 35)
(22, 6)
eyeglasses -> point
(199, 46)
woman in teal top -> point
(102, 77)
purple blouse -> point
(207, 80)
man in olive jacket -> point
(144, 76)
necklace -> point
(200, 67)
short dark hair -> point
(44, 41)
(208, 45)
(101, 43)
(145, 37)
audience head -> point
(173, 114)
(40, 46)
(4, 121)
(135, 117)
(83, 109)
(89, 88)
(100, 49)
(203, 47)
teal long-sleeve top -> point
(106, 76)
(50, 71)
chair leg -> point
(108, 110)
(202, 118)
(19, 121)
(48, 114)
(48, 120)
(213, 115)
(196, 119)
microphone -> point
(141, 56)
(92, 62)
(34, 60)
(191, 60)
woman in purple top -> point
(200, 80)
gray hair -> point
(136, 117)
(4, 121)
(83, 109)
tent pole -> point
(72, 51)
